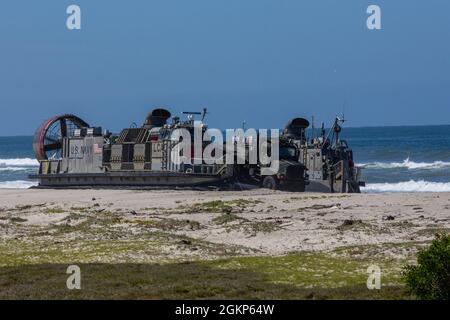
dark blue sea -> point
(394, 159)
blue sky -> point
(262, 61)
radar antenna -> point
(204, 113)
(191, 114)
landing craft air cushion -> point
(73, 154)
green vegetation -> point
(353, 225)
(168, 224)
(80, 209)
(219, 206)
(26, 207)
(154, 256)
(23, 207)
(432, 231)
(261, 226)
(294, 276)
(249, 227)
(430, 278)
(226, 218)
(53, 210)
(318, 207)
(141, 259)
(213, 206)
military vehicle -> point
(327, 157)
(291, 175)
(73, 154)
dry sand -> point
(263, 222)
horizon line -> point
(345, 127)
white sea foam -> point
(16, 169)
(17, 184)
(408, 186)
(406, 164)
(24, 162)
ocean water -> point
(17, 161)
(394, 159)
(408, 159)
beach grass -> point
(218, 249)
(110, 270)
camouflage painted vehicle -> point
(73, 154)
(328, 159)
(291, 174)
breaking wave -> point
(17, 184)
(408, 186)
(16, 169)
(406, 164)
(20, 162)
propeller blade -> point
(52, 140)
(63, 124)
(53, 146)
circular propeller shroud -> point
(48, 139)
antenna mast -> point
(204, 112)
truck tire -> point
(300, 187)
(270, 182)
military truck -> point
(291, 175)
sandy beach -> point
(263, 221)
(40, 227)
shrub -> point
(430, 278)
